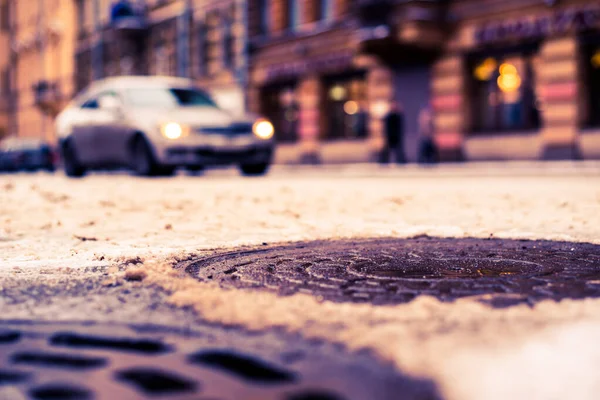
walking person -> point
(427, 148)
(393, 124)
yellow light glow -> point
(337, 93)
(350, 107)
(596, 59)
(509, 82)
(172, 130)
(263, 129)
(508, 69)
(484, 71)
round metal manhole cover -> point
(69, 361)
(501, 272)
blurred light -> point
(596, 59)
(380, 108)
(350, 107)
(507, 69)
(509, 80)
(263, 129)
(484, 71)
(337, 93)
(287, 97)
(172, 130)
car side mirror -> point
(109, 103)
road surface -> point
(128, 251)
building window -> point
(325, 10)
(345, 108)
(5, 79)
(4, 16)
(81, 12)
(202, 50)
(591, 61)
(228, 44)
(263, 16)
(293, 14)
(279, 103)
(503, 95)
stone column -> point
(341, 7)
(449, 106)
(557, 74)
(309, 99)
(278, 10)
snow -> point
(471, 350)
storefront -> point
(344, 107)
(522, 84)
(313, 91)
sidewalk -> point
(480, 169)
(353, 157)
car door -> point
(82, 130)
(110, 129)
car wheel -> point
(143, 163)
(166, 171)
(72, 165)
(194, 169)
(254, 169)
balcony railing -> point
(47, 96)
(128, 16)
(419, 22)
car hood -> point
(193, 116)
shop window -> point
(591, 55)
(345, 108)
(280, 104)
(503, 95)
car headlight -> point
(263, 129)
(173, 130)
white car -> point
(154, 125)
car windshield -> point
(168, 98)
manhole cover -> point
(94, 361)
(398, 270)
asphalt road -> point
(342, 282)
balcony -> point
(48, 97)
(420, 26)
(128, 17)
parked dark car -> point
(19, 154)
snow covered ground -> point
(473, 352)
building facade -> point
(505, 79)
(36, 65)
(198, 39)
(5, 88)
(520, 79)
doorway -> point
(413, 92)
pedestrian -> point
(361, 121)
(393, 123)
(427, 148)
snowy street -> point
(114, 247)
